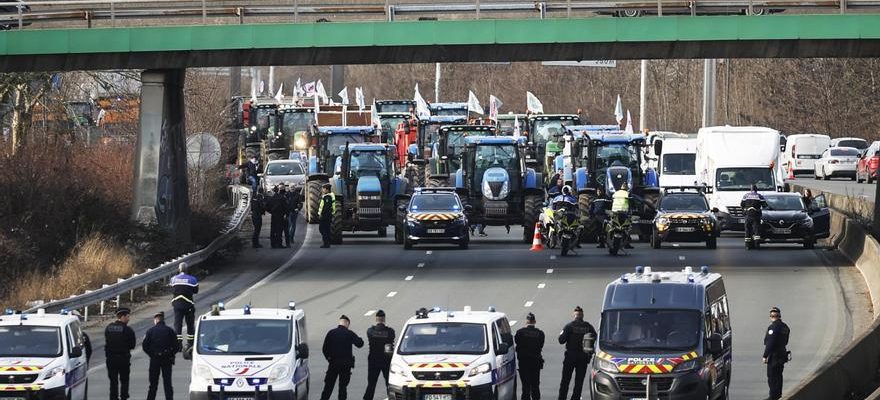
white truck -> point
(731, 159)
(678, 158)
(802, 151)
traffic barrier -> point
(537, 242)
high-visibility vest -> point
(620, 201)
(321, 206)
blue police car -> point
(435, 215)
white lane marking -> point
(421, 265)
(429, 252)
(549, 270)
(542, 285)
(273, 275)
(408, 278)
(675, 245)
(512, 323)
(391, 294)
(528, 304)
(552, 257)
(369, 313)
(681, 258)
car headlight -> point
(299, 143)
(204, 373)
(54, 372)
(662, 221)
(397, 369)
(689, 365)
(279, 373)
(807, 223)
(607, 366)
(480, 369)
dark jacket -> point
(294, 200)
(183, 288)
(87, 345)
(378, 336)
(572, 337)
(752, 203)
(258, 205)
(337, 346)
(327, 210)
(161, 343)
(252, 168)
(278, 204)
(529, 344)
(775, 341)
(119, 340)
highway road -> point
(822, 297)
(843, 186)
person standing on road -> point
(183, 290)
(576, 358)
(258, 208)
(326, 209)
(294, 204)
(529, 343)
(160, 344)
(119, 341)
(337, 351)
(598, 215)
(253, 170)
(752, 203)
(276, 210)
(775, 353)
(381, 340)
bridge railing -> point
(57, 13)
(114, 292)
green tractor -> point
(449, 149)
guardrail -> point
(114, 292)
(23, 13)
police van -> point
(664, 332)
(248, 353)
(454, 355)
(42, 356)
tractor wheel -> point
(336, 226)
(416, 175)
(435, 182)
(531, 210)
(588, 234)
(313, 199)
(400, 220)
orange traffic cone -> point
(537, 243)
(790, 171)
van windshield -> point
(650, 330)
(30, 341)
(244, 336)
(740, 179)
(680, 164)
(444, 338)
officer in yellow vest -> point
(326, 209)
(620, 207)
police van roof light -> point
(291, 305)
(41, 311)
(624, 279)
(639, 269)
(655, 278)
(704, 269)
(422, 313)
(688, 269)
(9, 311)
(247, 309)
(690, 278)
(491, 308)
(64, 311)
(647, 269)
(221, 305)
(467, 308)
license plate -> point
(685, 229)
(783, 231)
(436, 231)
(438, 397)
(740, 220)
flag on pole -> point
(262, 87)
(422, 110)
(517, 131)
(298, 89)
(253, 91)
(359, 98)
(618, 111)
(473, 104)
(374, 115)
(317, 106)
(319, 89)
(309, 88)
(629, 123)
(343, 94)
(494, 105)
(279, 95)
(533, 105)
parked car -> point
(854, 142)
(837, 162)
(288, 172)
(869, 163)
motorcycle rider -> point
(752, 203)
(620, 209)
(598, 215)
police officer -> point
(598, 215)
(775, 353)
(258, 208)
(576, 358)
(620, 208)
(160, 344)
(326, 209)
(119, 341)
(278, 210)
(752, 203)
(337, 351)
(380, 338)
(183, 288)
(529, 343)
(294, 204)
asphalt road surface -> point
(369, 273)
(842, 186)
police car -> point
(667, 332)
(454, 355)
(435, 215)
(683, 215)
(42, 356)
(248, 352)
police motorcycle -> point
(618, 225)
(617, 231)
(561, 225)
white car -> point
(854, 142)
(450, 355)
(283, 171)
(837, 162)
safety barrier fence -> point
(114, 292)
(167, 12)
(854, 372)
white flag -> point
(253, 91)
(517, 131)
(374, 115)
(319, 89)
(309, 88)
(262, 87)
(298, 89)
(533, 105)
(317, 106)
(359, 98)
(629, 123)
(618, 111)
(279, 96)
(343, 94)
(494, 105)
(422, 109)
(474, 104)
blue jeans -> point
(291, 224)
(254, 181)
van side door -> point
(818, 211)
(718, 321)
(77, 365)
(301, 366)
(505, 361)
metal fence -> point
(142, 281)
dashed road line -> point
(552, 257)
(391, 294)
(549, 270)
(369, 313)
(421, 265)
(408, 278)
(528, 304)
(542, 285)
(429, 252)
(681, 258)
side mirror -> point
(468, 208)
(401, 208)
(658, 148)
(503, 348)
(714, 344)
(302, 351)
(76, 352)
(715, 210)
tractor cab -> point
(389, 122)
(450, 147)
(429, 127)
(297, 124)
(262, 121)
(395, 106)
(545, 130)
(448, 109)
(507, 124)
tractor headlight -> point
(607, 366)
(480, 369)
(299, 143)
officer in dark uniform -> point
(160, 344)
(183, 288)
(775, 353)
(576, 358)
(337, 351)
(278, 210)
(380, 337)
(294, 204)
(529, 343)
(119, 341)
(752, 203)
(325, 214)
(258, 208)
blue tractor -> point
(326, 145)
(494, 180)
(447, 150)
(448, 109)
(368, 190)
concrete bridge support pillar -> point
(160, 183)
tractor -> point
(326, 145)
(295, 125)
(368, 190)
(507, 124)
(494, 180)
(395, 106)
(543, 133)
(448, 109)
(447, 150)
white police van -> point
(249, 352)
(454, 355)
(42, 356)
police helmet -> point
(566, 190)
